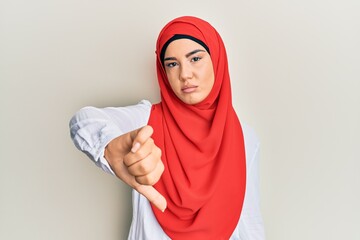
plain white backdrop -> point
(295, 75)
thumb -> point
(152, 195)
(138, 137)
(147, 191)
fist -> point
(136, 160)
(144, 159)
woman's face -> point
(189, 70)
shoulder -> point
(134, 116)
(145, 105)
(141, 108)
(136, 112)
(126, 118)
(144, 108)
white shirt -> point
(93, 128)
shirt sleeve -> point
(251, 214)
(251, 226)
(91, 128)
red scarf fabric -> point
(202, 148)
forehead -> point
(182, 47)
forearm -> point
(91, 128)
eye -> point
(171, 64)
(195, 59)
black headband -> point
(176, 37)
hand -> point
(136, 160)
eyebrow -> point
(186, 55)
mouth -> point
(189, 89)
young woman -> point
(192, 165)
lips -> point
(189, 89)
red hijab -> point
(202, 147)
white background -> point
(295, 76)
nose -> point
(185, 72)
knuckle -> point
(162, 167)
(150, 129)
(143, 168)
(150, 141)
(156, 178)
(158, 151)
(152, 181)
(145, 180)
(141, 154)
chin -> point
(190, 100)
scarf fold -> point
(202, 147)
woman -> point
(188, 155)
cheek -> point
(170, 77)
(210, 77)
(172, 81)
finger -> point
(143, 152)
(147, 191)
(153, 196)
(153, 177)
(145, 165)
(140, 136)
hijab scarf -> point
(202, 147)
